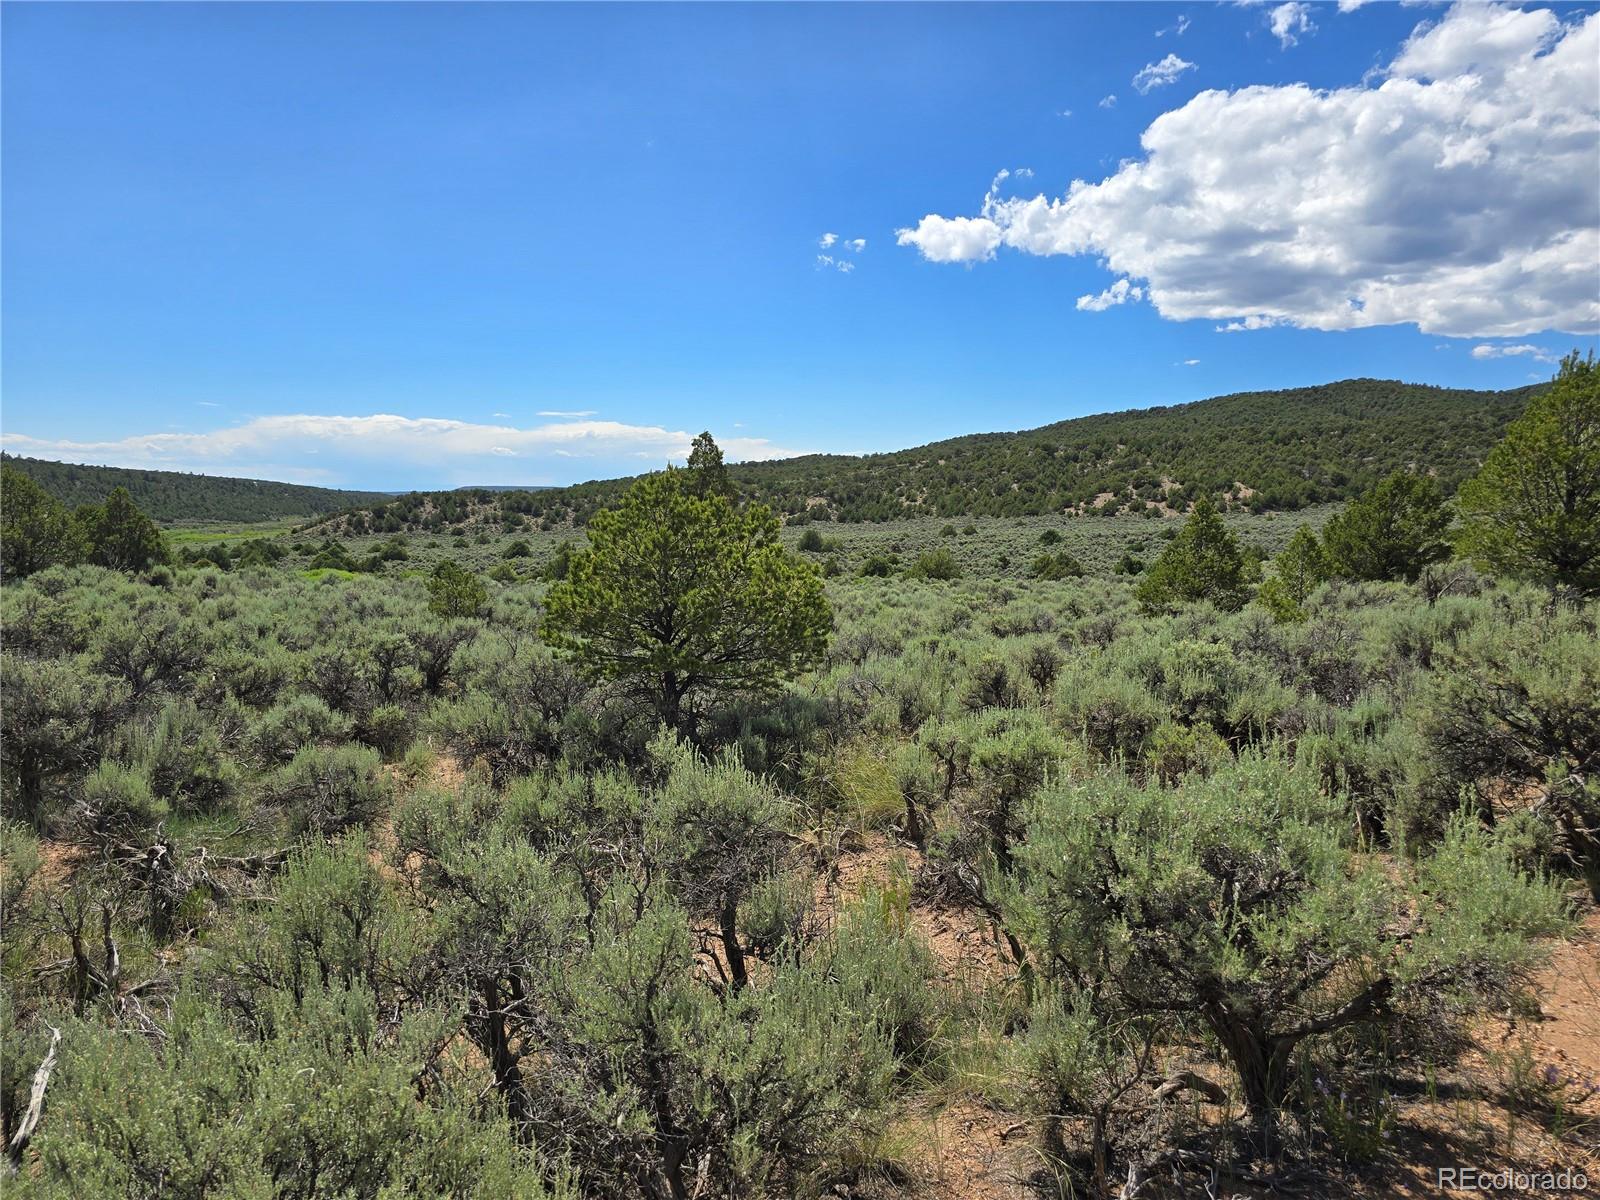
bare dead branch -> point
(1189, 1081)
(30, 1120)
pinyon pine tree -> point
(687, 598)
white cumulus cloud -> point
(1455, 191)
(1289, 21)
(1160, 74)
(827, 240)
(952, 239)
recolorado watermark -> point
(1473, 1179)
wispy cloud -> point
(1176, 30)
(1160, 74)
(1108, 101)
(559, 412)
(837, 260)
(1538, 354)
(1119, 292)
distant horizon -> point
(467, 486)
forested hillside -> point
(169, 496)
(1278, 450)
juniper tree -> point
(1533, 508)
(36, 530)
(707, 475)
(1298, 571)
(454, 591)
(1391, 532)
(119, 536)
(1203, 562)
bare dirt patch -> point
(57, 862)
(975, 1153)
(965, 943)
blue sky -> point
(416, 245)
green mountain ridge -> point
(1273, 450)
(174, 496)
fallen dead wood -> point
(30, 1119)
(1188, 1081)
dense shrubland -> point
(272, 880)
(399, 881)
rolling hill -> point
(1275, 450)
(175, 496)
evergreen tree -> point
(560, 562)
(707, 475)
(1203, 562)
(687, 597)
(36, 530)
(1533, 510)
(120, 536)
(1299, 570)
(455, 591)
(1391, 532)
